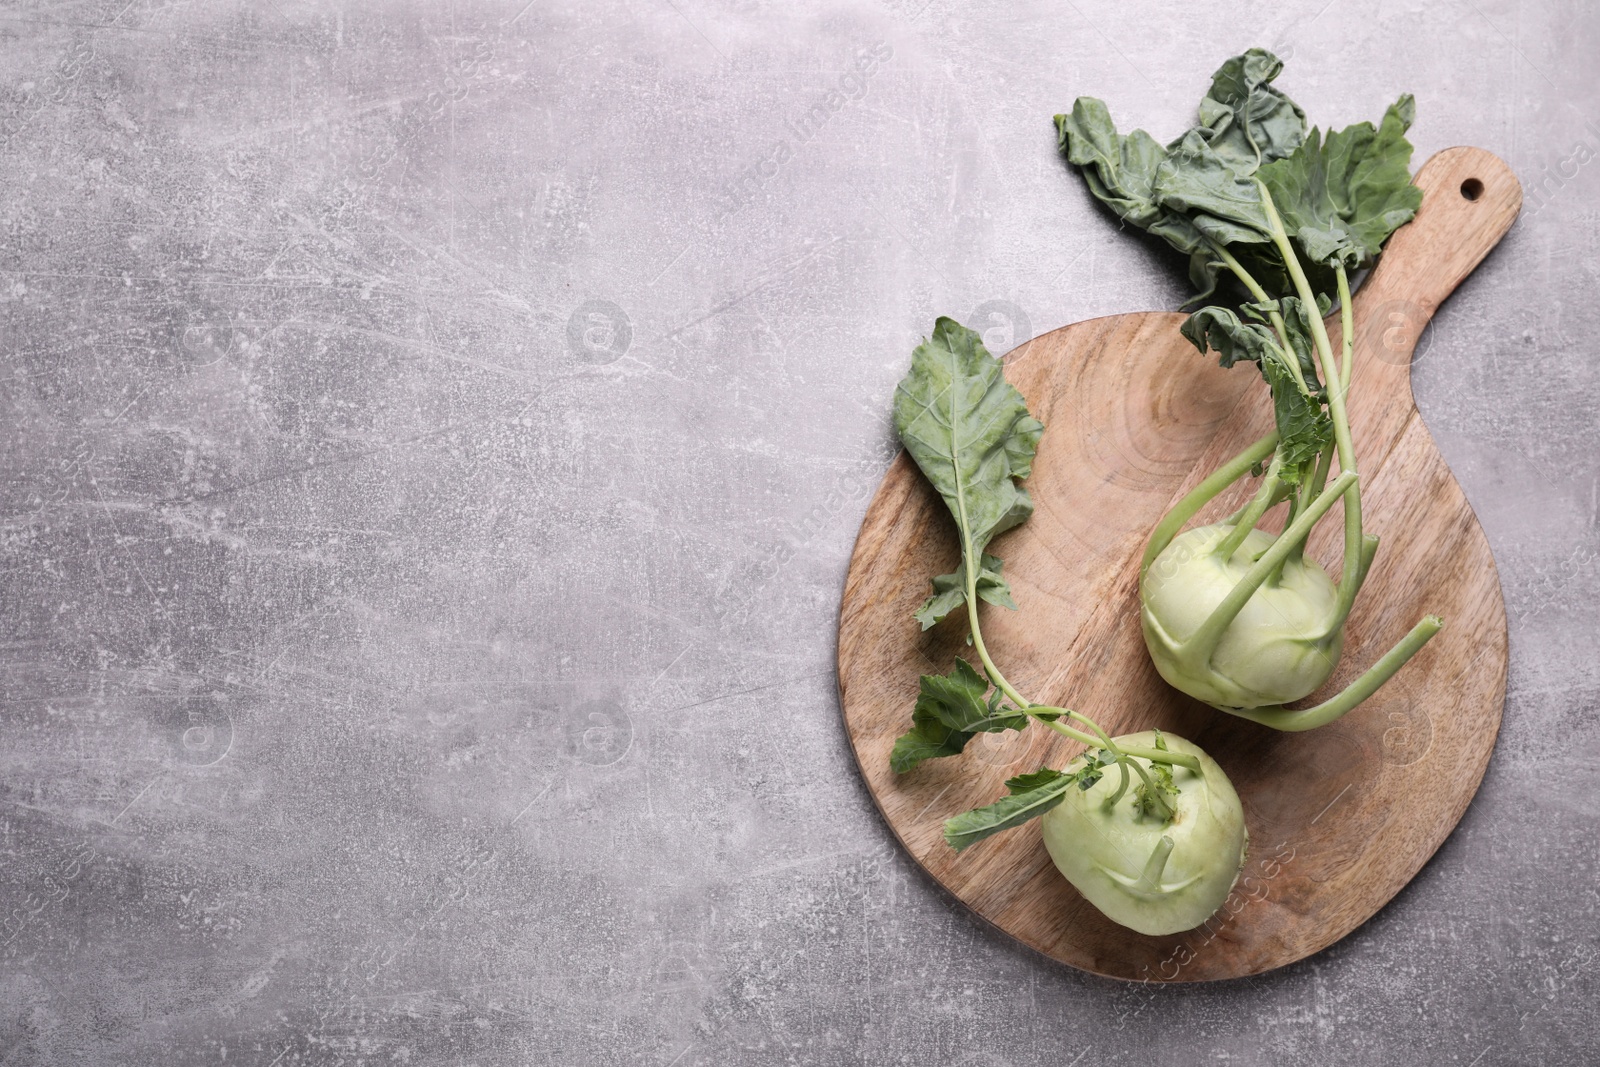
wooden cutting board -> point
(1340, 818)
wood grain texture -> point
(1340, 818)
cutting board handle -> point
(1469, 200)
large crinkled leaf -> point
(969, 431)
(951, 709)
(1341, 198)
(950, 591)
(1223, 204)
(1377, 196)
(1198, 191)
(1120, 172)
(1245, 120)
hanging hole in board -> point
(1471, 189)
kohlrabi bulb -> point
(1142, 871)
(1278, 649)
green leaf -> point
(1304, 428)
(1025, 783)
(1157, 803)
(927, 739)
(1119, 170)
(1340, 199)
(1297, 324)
(1221, 202)
(971, 434)
(950, 710)
(1120, 173)
(1031, 796)
(1199, 188)
(950, 591)
(956, 699)
(1245, 120)
(1208, 173)
(1221, 330)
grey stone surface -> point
(434, 436)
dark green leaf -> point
(1120, 172)
(1263, 262)
(1304, 428)
(1030, 795)
(1377, 196)
(1342, 198)
(958, 701)
(1246, 121)
(1221, 331)
(1297, 324)
(1222, 203)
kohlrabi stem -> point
(1369, 549)
(1319, 475)
(1150, 877)
(1200, 645)
(1153, 791)
(970, 557)
(1347, 328)
(1354, 543)
(1050, 716)
(1265, 498)
(1105, 740)
(1308, 493)
(1351, 584)
(1262, 297)
(1282, 718)
(1319, 331)
(1154, 755)
(1336, 380)
(1122, 787)
(1159, 755)
(1023, 703)
(1202, 494)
